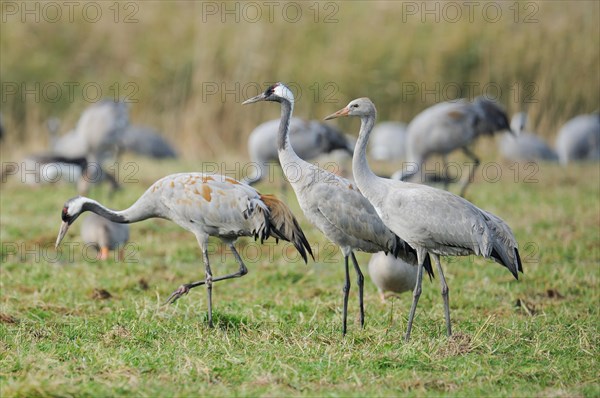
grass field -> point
(76, 327)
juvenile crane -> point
(206, 205)
(333, 204)
(103, 234)
(430, 220)
(448, 126)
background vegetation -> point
(72, 326)
(170, 57)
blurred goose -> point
(103, 234)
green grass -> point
(278, 329)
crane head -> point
(357, 107)
(277, 92)
(70, 211)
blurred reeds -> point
(173, 55)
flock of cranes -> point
(404, 224)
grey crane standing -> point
(579, 139)
(206, 205)
(103, 234)
(524, 145)
(310, 138)
(448, 126)
(391, 274)
(331, 203)
(430, 220)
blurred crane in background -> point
(449, 126)
(524, 145)
(309, 138)
(579, 139)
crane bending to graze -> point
(309, 138)
(579, 139)
(448, 126)
(524, 146)
(103, 234)
(430, 220)
(391, 274)
(206, 205)
(146, 141)
(333, 204)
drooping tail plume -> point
(283, 225)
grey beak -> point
(64, 227)
(260, 97)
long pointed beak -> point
(61, 234)
(260, 97)
(342, 112)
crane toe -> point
(177, 294)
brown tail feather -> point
(283, 225)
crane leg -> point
(209, 282)
(346, 290)
(416, 295)
(467, 181)
(361, 290)
(445, 296)
(184, 289)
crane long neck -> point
(283, 137)
(134, 213)
(363, 174)
(286, 153)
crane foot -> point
(177, 294)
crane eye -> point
(354, 105)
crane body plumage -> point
(333, 204)
(206, 205)
(430, 220)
